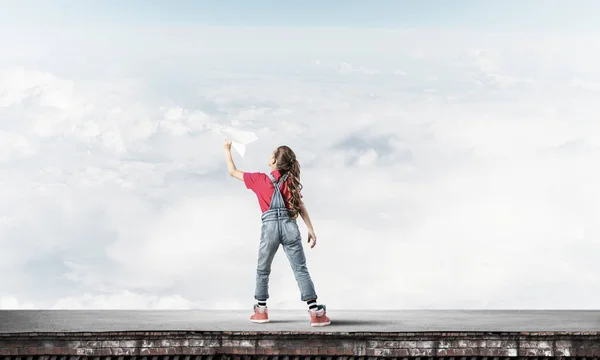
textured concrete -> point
(297, 320)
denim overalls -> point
(279, 228)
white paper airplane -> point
(239, 138)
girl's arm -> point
(305, 217)
(233, 171)
(312, 238)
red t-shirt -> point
(261, 185)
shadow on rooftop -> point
(280, 321)
(335, 322)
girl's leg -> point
(269, 243)
(292, 245)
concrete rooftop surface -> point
(15, 321)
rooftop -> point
(17, 321)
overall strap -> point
(277, 184)
(283, 178)
(277, 201)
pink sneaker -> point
(261, 315)
(319, 317)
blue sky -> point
(492, 14)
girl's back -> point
(262, 186)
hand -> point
(227, 145)
(312, 238)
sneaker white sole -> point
(320, 324)
(260, 321)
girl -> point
(281, 202)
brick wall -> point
(298, 345)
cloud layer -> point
(441, 170)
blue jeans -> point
(279, 228)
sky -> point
(512, 14)
(448, 152)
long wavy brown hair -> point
(287, 163)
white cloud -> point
(462, 183)
(12, 303)
(124, 300)
(14, 146)
(20, 84)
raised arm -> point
(233, 171)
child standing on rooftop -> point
(281, 202)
